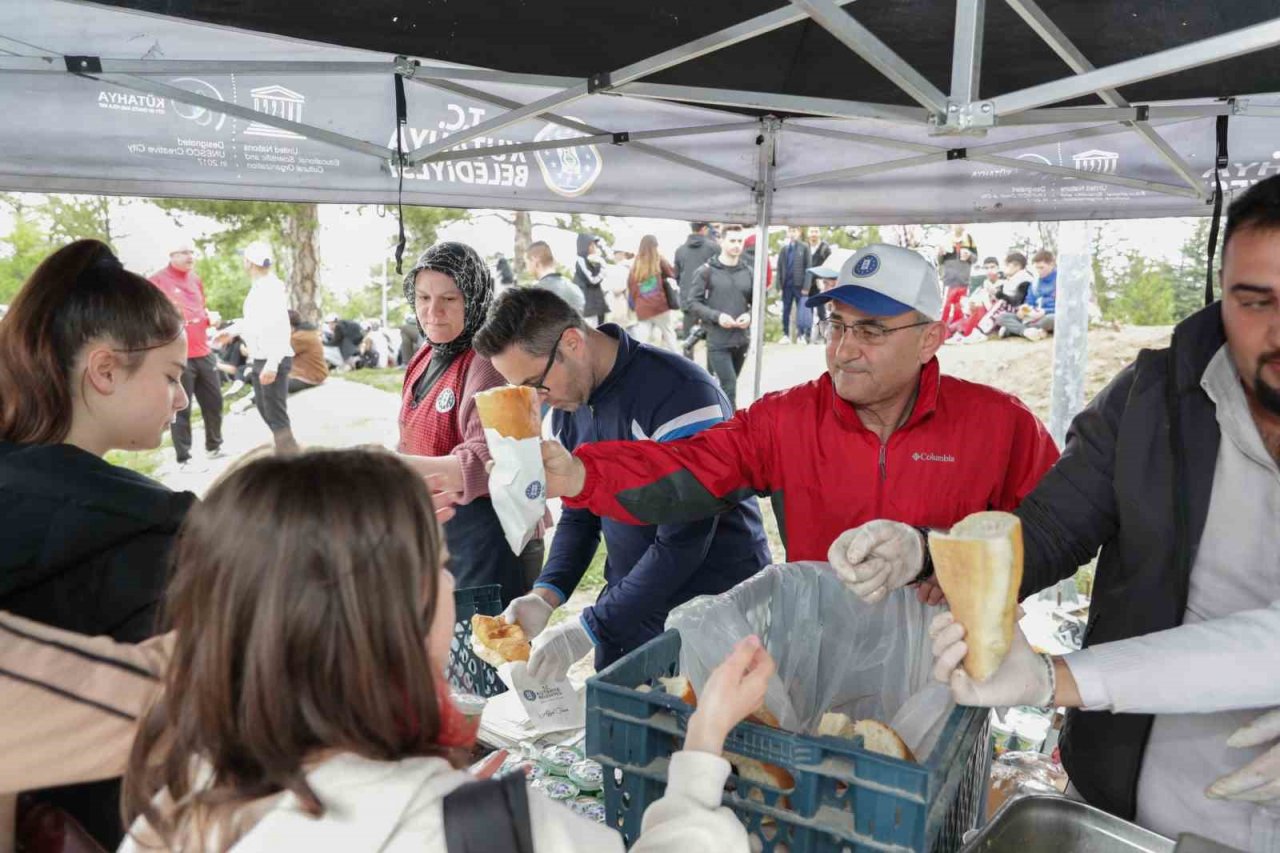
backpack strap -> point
(489, 814)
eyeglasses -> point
(539, 384)
(867, 333)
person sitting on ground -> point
(309, 367)
(1017, 280)
(410, 338)
(346, 335)
(328, 723)
(974, 326)
(91, 360)
(1034, 318)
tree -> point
(1188, 279)
(1146, 298)
(422, 226)
(291, 226)
(524, 223)
(40, 225)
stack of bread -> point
(876, 737)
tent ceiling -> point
(578, 38)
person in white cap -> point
(881, 435)
(179, 282)
(265, 329)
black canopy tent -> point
(819, 111)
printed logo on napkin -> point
(534, 491)
(552, 706)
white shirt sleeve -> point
(1201, 667)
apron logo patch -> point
(446, 401)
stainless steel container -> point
(1048, 824)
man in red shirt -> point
(184, 288)
(881, 435)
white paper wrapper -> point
(552, 706)
(517, 486)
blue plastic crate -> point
(466, 671)
(845, 798)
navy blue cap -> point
(863, 298)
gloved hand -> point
(1259, 780)
(1024, 677)
(877, 558)
(530, 612)
(556, 649)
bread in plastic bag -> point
(834, 652)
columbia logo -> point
(932, 457)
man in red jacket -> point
(882, 435)
(184, 288)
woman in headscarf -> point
(588, 274)
(450, 289)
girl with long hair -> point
(304, 705)
(91, 360)
(650, 288)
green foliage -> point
(21, 251)
(390, 379)
(225, 282)
(1188, 281)
(242, 221)
(574, 222)
(41, 225)
(1139, 292)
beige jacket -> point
(396, 807)
(70, 705)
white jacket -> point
(265, 327)
(395, 807)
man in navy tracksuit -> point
(605, 386)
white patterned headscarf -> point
(470, 273)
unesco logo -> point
(534, 491)
(867, 265)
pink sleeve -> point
(473, 453)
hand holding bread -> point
(1023, 677)
(734, 691)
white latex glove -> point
(556, 649)
(878, 557)
(530, 612)
(1259, 780)
(1022, 679)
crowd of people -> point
(265, 665)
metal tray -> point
(1048, 824)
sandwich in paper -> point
(979, 564)
(517, 483)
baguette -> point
(876, 736)
(681, 688)
(493, 633)
(511, 411)
(979, 564)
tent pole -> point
(874, 52)
(1057, 40)
(1071, 326)
(770, 126)
(828, 107)
(966, 56)
(1204, 52)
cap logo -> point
(867, 265)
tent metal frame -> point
(958, 113)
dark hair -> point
(295, 319)
(696, 227)
(991, 260)
(1043, 256)
(303, 593)
(1258, 207)
(1016, 258)
(532, 318)
(730, 227)
(78, 294)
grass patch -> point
(390, 379)
(144, 462)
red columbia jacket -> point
(965, 448)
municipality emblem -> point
(446, 401)
(568, 171)
(866, 265)
(534, 491)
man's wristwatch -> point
(926, 570)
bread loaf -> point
(876, 736)
(493, 633)
(681, 688)
(512, 411)
(979, 564)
